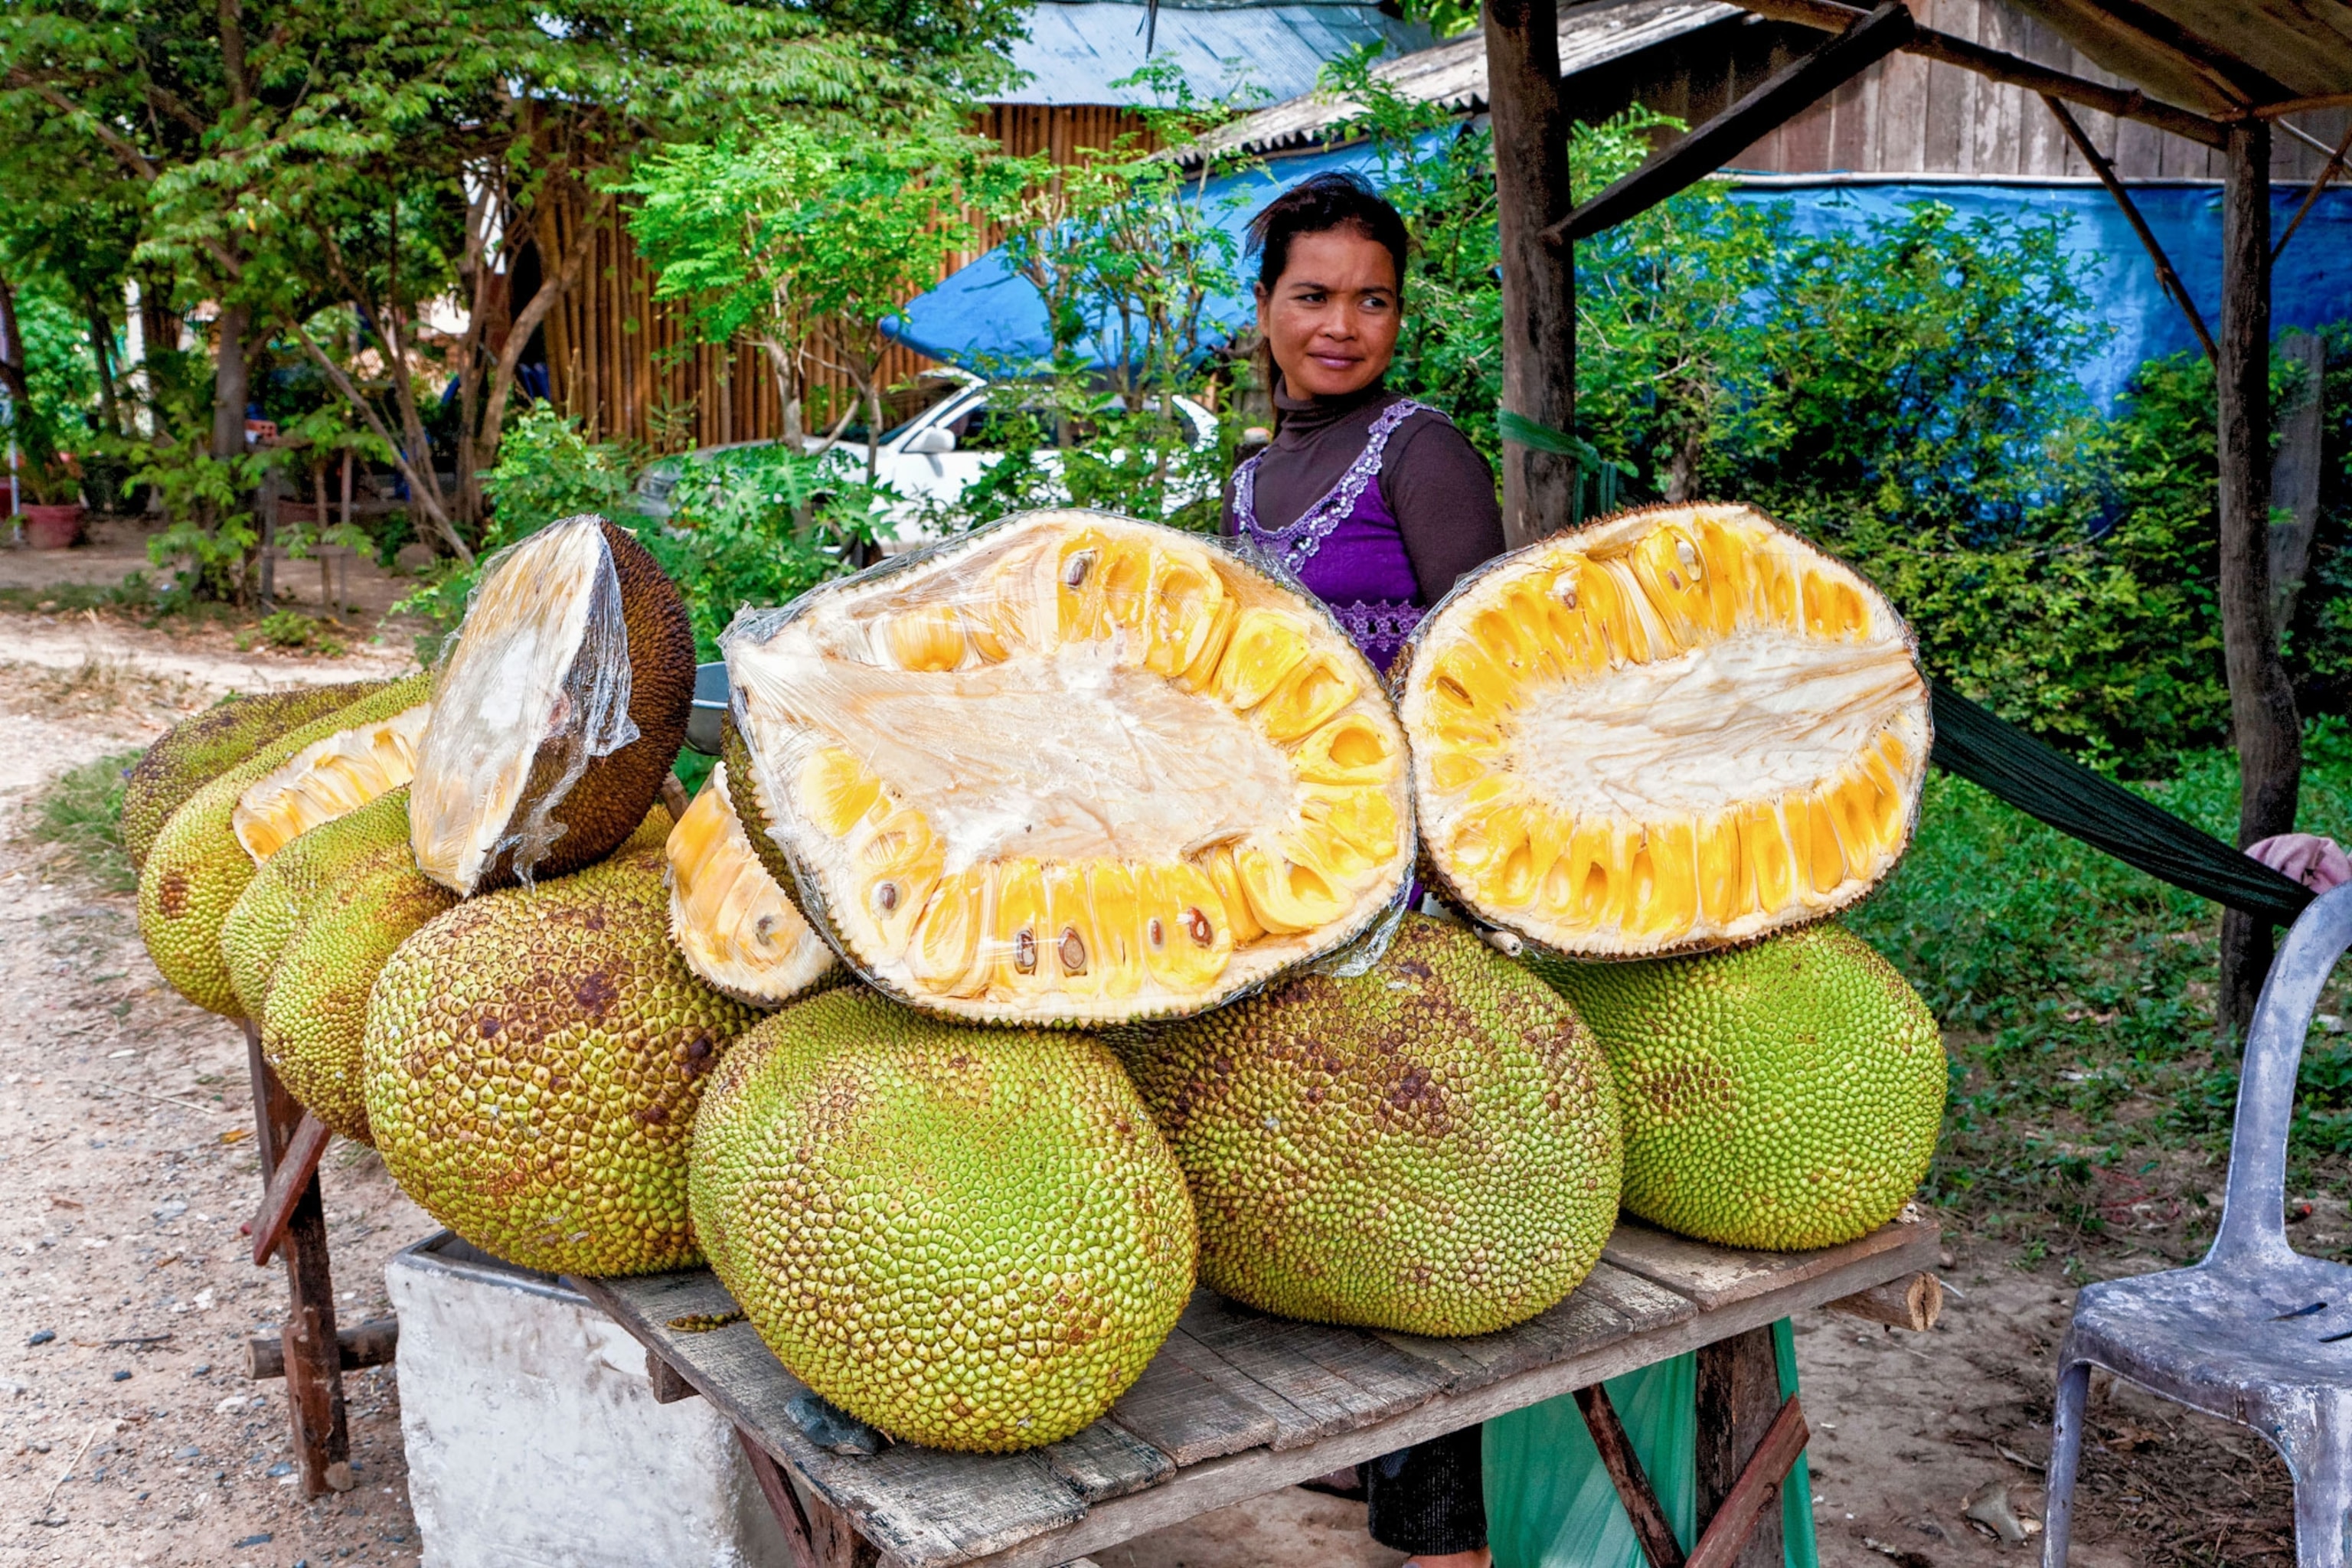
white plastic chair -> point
(2256, 1333)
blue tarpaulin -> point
(988, 319)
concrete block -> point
(534, 1438)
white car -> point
(954, 434)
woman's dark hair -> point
(1317, 206)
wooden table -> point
(1238, 1404)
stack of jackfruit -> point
(1076, 772)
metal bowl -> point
(702, 726)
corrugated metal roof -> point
(1454, 73)
(1077, 49)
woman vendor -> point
(1378, 504)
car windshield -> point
(901, 406)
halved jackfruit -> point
(558, 712)
(328, 779)
(1069, 768)
(734, 925)
(1677, 729)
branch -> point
(358, 400)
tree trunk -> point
(230, 387)
(1530, 130)
(2263, 718)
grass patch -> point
(2077, 996)
(294, 632)
(80, 813)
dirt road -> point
(128, 1432)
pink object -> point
(2316, 862)
(52, 527)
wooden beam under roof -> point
(2126, 103)
(2134, 24)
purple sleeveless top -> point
(1347, 549)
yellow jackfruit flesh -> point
(198, 749)
(971, 1238)
(557, 713)
(533, 1058)
(1071, 769)
(1786, 1095)
(325, 780)
(729, 918)
(1430, 1147)
(1678, 729)
(197, 867)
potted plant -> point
(51, 499)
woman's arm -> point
(1442, 496)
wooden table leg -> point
(818, 1534)
(1632, 1483)
(1738, 1395)
(314, 1371)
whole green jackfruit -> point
(198, 749)
(1783, 1096)
(534, 1060)
(313, 1019)
(255, 931)
(970, 1237)
(1430, 1146)
(196, 868)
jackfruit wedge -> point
(327, 779)
(1678, 729)
(1070, 769)
(735, 927)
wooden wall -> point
(1906, 115)
(629, 366)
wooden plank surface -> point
(1236, 1404)
(1716, 1277)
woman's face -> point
(1330, 320)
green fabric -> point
(1549, 1503)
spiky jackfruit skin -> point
(314, 1018)
(198, 749)
(534, 1059)
(266, 916)
(1783, 1096)
(196, 868)
(970, 1237)
(1430, 1147)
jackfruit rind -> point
(1430, 1148)
(197, 750)
(534, 1060)
(1678, 729)
(969, 1238)
(560, 707)
(196, 868)
(258, 927)
(1784, 1095)
(736, 927)
(1070, 769)
(326, 779)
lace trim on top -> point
(1379, 627)
(1295, 545)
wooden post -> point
(2263, 719)
(1738, 1395)
(314, 1371)
(1531, 193)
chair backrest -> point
(2253, 1223)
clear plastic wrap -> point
(534, 687)
(1071, 769)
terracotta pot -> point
(52, 527)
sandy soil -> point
(113, 547)
(130, 1435)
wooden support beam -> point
(1651, 1527)
(1731, 1536)
(781, 1502)
(2263, 719)
(2176, 290)
(297, 1166)
(373, 1343)
(1915, 1303)
(2133, 24)
(1778, 99)
(2128, 104)
(1738, 1398)
(313, 1357)
(2311, 198)
(669, 1385)
(1530, 126)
